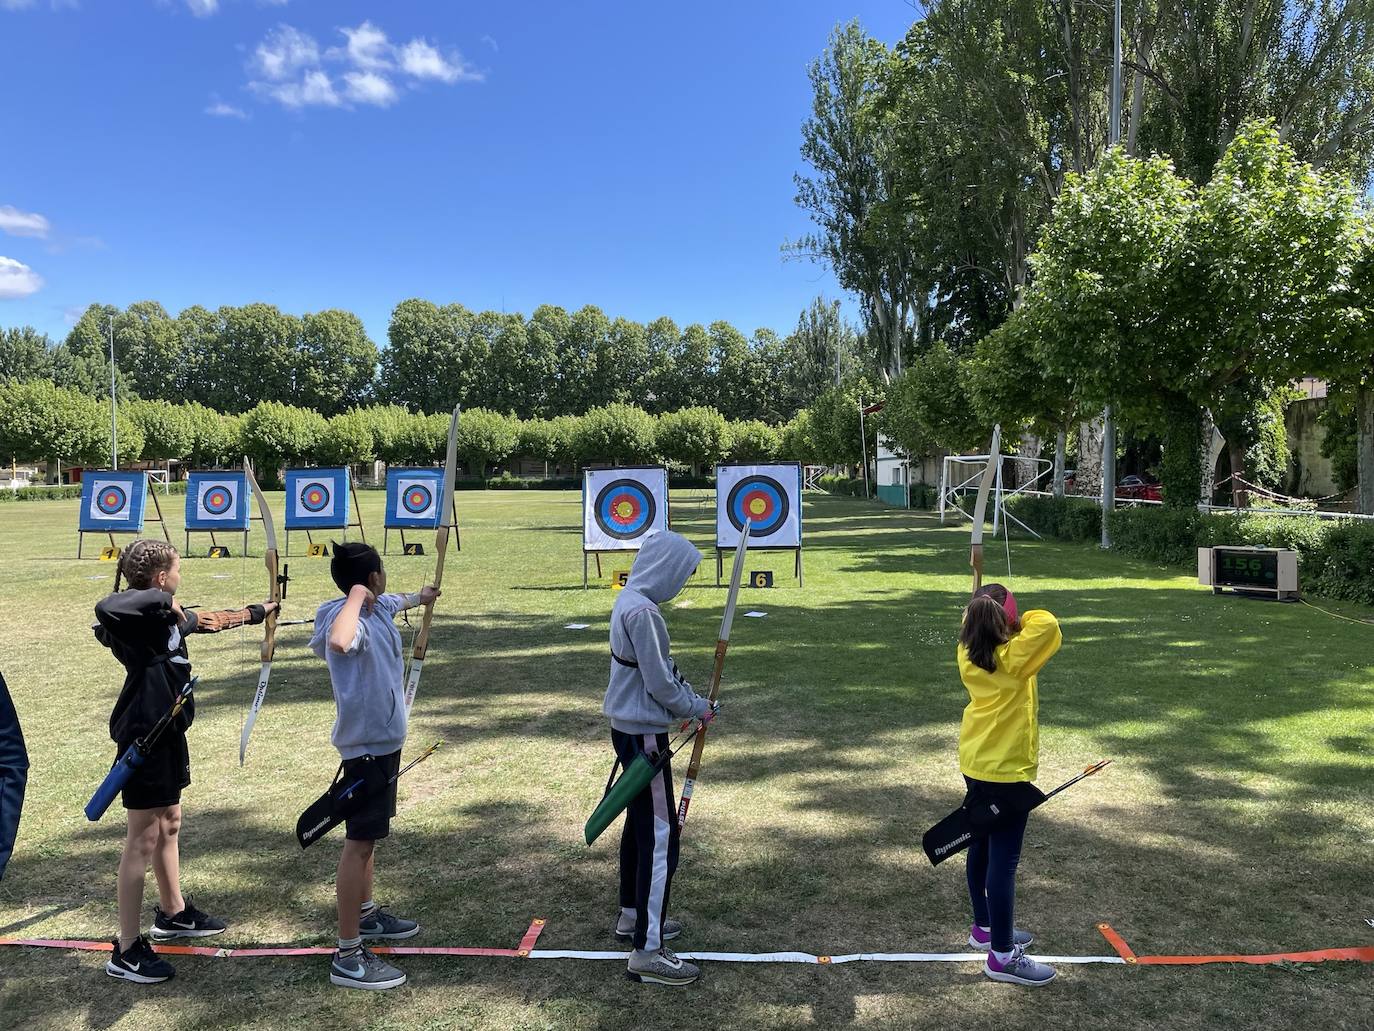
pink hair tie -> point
(1009, 607)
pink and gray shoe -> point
(980, 939)
(1018, 968)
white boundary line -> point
(808, 958)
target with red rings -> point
(417, 499)
(217, 500)
(760, 499)
(624, 509)
(315, 497)
(112, 500)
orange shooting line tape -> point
(1362, 954)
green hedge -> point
(1335, 559)
(68, 491)
(841, 485)
(1064, 519)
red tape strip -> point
(1117, 942)
(1362, 954)
(522, 950)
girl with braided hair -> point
(146, 628)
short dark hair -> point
(353, 563)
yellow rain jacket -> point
(999, 739)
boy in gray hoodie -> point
(357, 637)
(645, 697)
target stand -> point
(768, 496)
(125, 512)
(216, 503)
(621, 507)
(457, 536)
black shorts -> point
(373, 821)
(159, 781)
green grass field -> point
(1237, 817)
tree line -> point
(40, 421)
(550, 364)
(1012, 265)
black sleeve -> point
(135, 624)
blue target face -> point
(112, 499)
(760, 499)
(314, 497)
(624, 509)
(217, 500)
(417, 499)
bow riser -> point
(417, 659)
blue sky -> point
(315, 154)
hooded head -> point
(664, 563)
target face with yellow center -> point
(625, 509)
(112, 500)
(315, 497)
(761, 500)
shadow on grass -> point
(1217, 831)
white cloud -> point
(423, 61)
(370, 88)
(367, 46)
(313, 90)
(491, 43)
(203, 8)
(23, 223)
(220, 109)
(283, 52)
(17, 279)
(289, 67)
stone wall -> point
(1309, 472)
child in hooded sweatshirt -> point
(646, 696)
(146, 628)
(357, 636)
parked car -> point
(1136, 488)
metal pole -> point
(863, 444)
(1108, 426)
(114, 432)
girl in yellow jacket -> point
(1000, 653)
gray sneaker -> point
(663, 967)
(364, 970)
(1019, 969)
(381, 924)
(626, 932)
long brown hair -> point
(142, 560)
(985, 630)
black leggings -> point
(992, 873)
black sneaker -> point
(139, 963)
(189, 923)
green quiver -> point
(624, 791)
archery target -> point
(760, 499)
(624, 509)
(769, 496)
(316, 499)
(417, 499)
(623, 506)
(414, 498)
(216, 501)
(113, 501)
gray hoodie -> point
(646, 693)
(369, 693)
